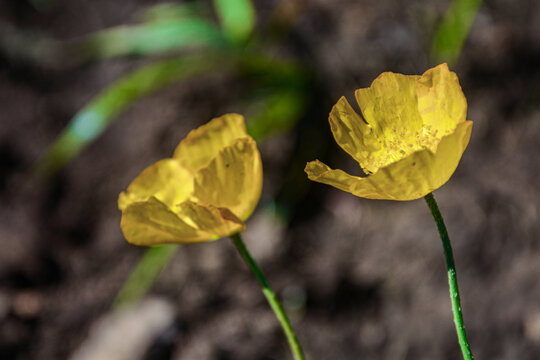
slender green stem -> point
(452, 278)
(271, 297)
(154, 260)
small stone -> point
(27, 304)
(532, 325)
(127, 333)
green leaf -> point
(94, 118)
(151, 38)
(453, 31)
(154, 260)
(266, 72)
(276, 113)
(237, 18)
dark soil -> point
(360, 279)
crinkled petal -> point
(204, 143)
(389, 106)
(320, 172)
(233, 180)
(152, 223)
(352, 133)
(441, 103)
(410, 178)
(212, 220)
(166, 180)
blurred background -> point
(92, 92)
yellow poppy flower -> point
(205, 191)
(408, 138)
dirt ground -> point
(360, 279)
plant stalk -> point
(452, 278)
(270, 297)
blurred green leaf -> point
(151, 38)
(276, 113)
(101, 111)
(279, 96)
(154, 260)
(272, 72)
(453, 31)
(237, 18)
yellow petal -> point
(153, 223)
(410, 178)
(204, 143)
(166, 180)
(233, 180)
(389, 106)
(352, 133)
(387, 131)
(320, 172)
(441, 103)
(210, 220)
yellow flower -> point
(408, 138)
(205, 191)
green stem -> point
(452, 278)
(271, 297)
(145, 274)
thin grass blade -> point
(154, 260)
(151, 38)
(237, 18)
(100, 112)
(453, 31)
(276, 113)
